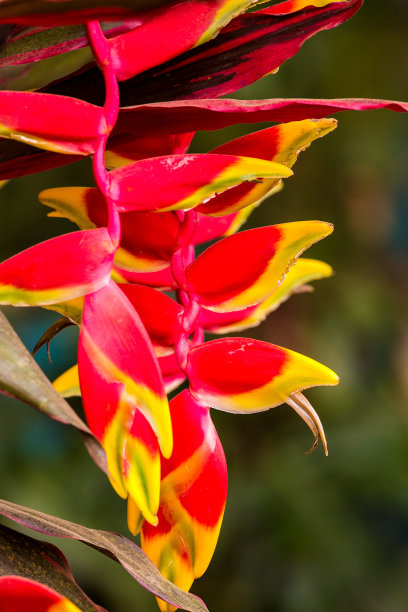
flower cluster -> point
(129, 277)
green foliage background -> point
(301, 533)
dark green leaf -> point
(113, 545)
(23, 556)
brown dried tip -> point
(305, 410)
(51, 332)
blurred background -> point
(301, 533)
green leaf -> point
(21, 555)
(22, 378)
(113, 545)
(38, 74)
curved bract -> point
(192, 497)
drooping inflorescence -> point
(129, 277)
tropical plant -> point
(104, 79)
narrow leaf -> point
(34, 44)
(212, 114)
(23, 557)
(248, 48)
(205, 19)
(113, 545)
(52, 12)
(22, 378)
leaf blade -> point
(113, 545)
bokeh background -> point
(301, 533)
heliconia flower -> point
(123, 396)
(302, 272)
(19, 594)
(205, 19)
(243, 269)
(72, 309)
(243, 376)
(192, 498)
(59, 269)
(281, 144)
(56, 123)
(184, 181)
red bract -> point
(19, 594)
(244, 269)
(184, 181)
(192, 497)
(56, 123)
(59, 269)
(123, 395)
